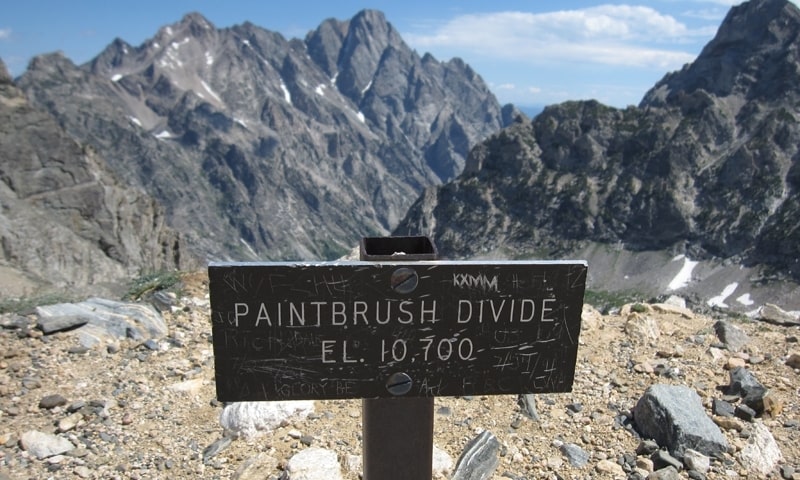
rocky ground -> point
(147, 409)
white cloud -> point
(505, 86)
(5, 33)
(617, 35)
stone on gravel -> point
(69, 422)
(673, 308)
(109, 320)
(734, 338)
(188, 387)
(60, 323)
(608, 467)
(667, 473)
(646, 447)
(52, 401)
(776, 315)
(673, 416)
(215, 448)
(576, 456)
(479, 459)
(642, 328)
(527, 403)
(249, 419)
(722, 408)
(793, 360)
(761, 454)
(662, 459)
(694, 460)
(744, 384)
(442, 463)
(314, 464)
(43, 445)
(254, 467)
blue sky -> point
(529, 52)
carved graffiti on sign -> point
(339, 330)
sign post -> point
(397, 329)
(397, 433)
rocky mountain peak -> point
(755, 51)
(262, 147)
(705, 170)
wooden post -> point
(397, 433)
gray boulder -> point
(675, 418)
(108, 321)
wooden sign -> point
(291, 331)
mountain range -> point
(259, 147)
(249, 146)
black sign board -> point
(291, 331)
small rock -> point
(734, 338)
(793, 360)
(82, 471)
(314, 464)
(189, 387)
(52, 401)
(576, 456)
(249, 419)
(13, 322)
(576, 407)
(744, 384)
(69, 422)
(43, 445)
(761, 454)
(729, 423)
(215, 448)
(735, 362)
(642, 328)
(646, 447)
(694, 460)
(662, 459)
(744, 412)
(255, 468)
(442, 463)
(787, 472)
(554, 463)
(479, 459)
(722, 408)
(666, 473)
(774, 314)
(527, 403)
(610, 468)
(354, 463)
(645, 464)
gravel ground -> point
(135, 412)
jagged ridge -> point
(262, 147)
(707, 165)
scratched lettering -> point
(285, 331)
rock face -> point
(706, 166)
(64, 215)
(266, 148)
